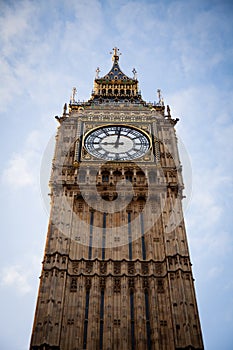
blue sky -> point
(185, 48)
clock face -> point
(116, 143)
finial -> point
(161, 103)
(65, 109)
(115, 55)
(168, 111)
(159, 94)
(134, 73)
(74, 92)
(97, 73)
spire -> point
(116, 86)
(115, 72)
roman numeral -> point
(128, 155)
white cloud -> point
(17, 277)
(200, 47)
(206, 131)
(23, 167)
(214, 272)
(15, 23)
(33, 61)
(207, 192)
(18, 173)
(207, 222)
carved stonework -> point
(102, 282)
(131, 269)
(158, 268)
(145, 268)
(145, 282)
(131, 282)
(160, 286)
(103, 267)
(117, 285)
(117, 267)
(73, 284)
(75, 266)
(88, 283)
(89, 266)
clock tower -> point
(116, 271)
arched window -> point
(129, 176)
(105, 176)
(117, 175)
(140, 176)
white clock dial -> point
(116, 143)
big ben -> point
(116, 272)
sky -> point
(184, 48)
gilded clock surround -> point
(121, 140)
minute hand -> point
(118, 139)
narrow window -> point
(91, 235)
(101, 319)
(132, 320)
(86, 320)
(104, 236)
(143, 237)
(147, 320)
(129, 178)
(105, 178)
(130, 236)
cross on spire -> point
(134, 73)
(115, 54)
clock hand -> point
(117, 143)
(111, 143)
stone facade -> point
(116, 272)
